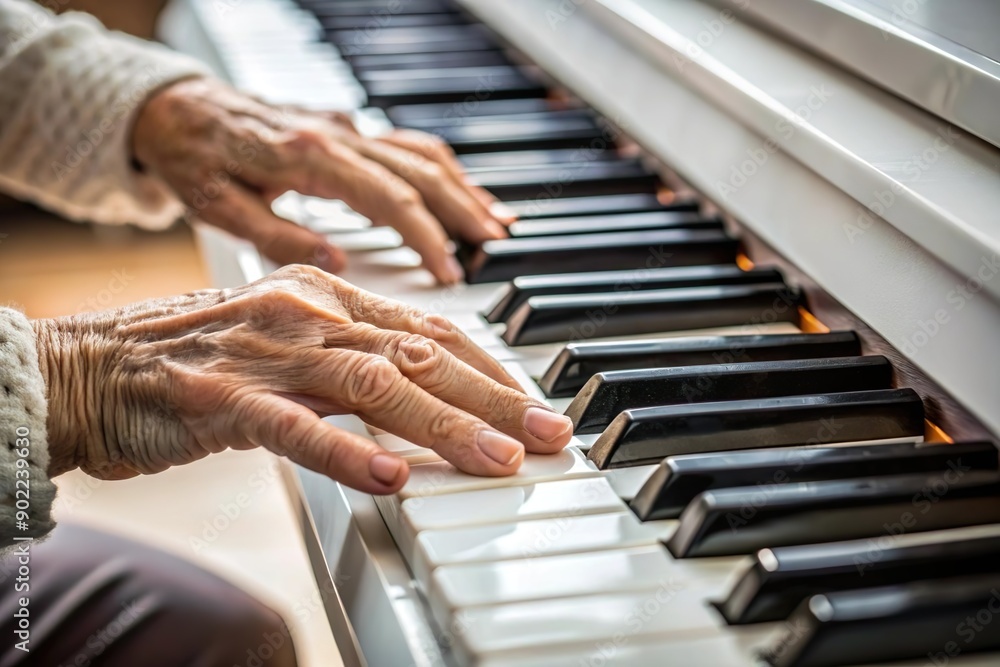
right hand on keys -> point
(202, 136)
(169, 381)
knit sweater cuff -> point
(65, 143)
(26, 493)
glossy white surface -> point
(431, 479)
(456, 587)
(440, 478)
(582, 626)
(627, 481)
(562, 497)
(413, 454)
(533, 539)
(941, 56)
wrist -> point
(158, 113)
(74, 365)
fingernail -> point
(454, 269)
(545, 424)
(501, 211)
(499, 447)
(385, 469)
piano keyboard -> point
(745, 487)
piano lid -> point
(943, 55)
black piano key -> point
(551, 319)
(397, 41)
(440, 73)
(410, 61)
(930, 621)
(506, 136)
(582, 178)
(649, 435)
(606, 395)
(403, 115)
(549, 118)
(505, 259)
(372, 22)
(376, 7)
(474, 162)
(577, 362)
(521, 289)
(780, 578)
(450, 89)
(549, 207)
(678, 479)
(625, 222)
(741, 520)
(413, 37)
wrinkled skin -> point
(169, 381)
(228, 156)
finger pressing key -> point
(292, 430)
(373, 388)
(438, 372)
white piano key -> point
(627, 481)
(529, 385)
(411, 453)
(461, 587)
(431, 479)
(542, 500)
(532, 539)
(428, 480)
(598, 626)
(701, 650)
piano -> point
(756, 264)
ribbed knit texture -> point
(69, 94)
(23, 415)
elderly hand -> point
(169, 381)
(228, 156)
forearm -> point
(69, 95)
(26, 492)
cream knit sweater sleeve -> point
(69, 93)
(26, 493)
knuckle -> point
(405, 196)
(440, 326)
(411, 350)
(373, 381)
(287, 422)
(306, 138)
(441, 427)
(326, 451)
(433, 172)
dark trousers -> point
(96, 599)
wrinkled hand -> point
(169, 381)
(228, 156)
